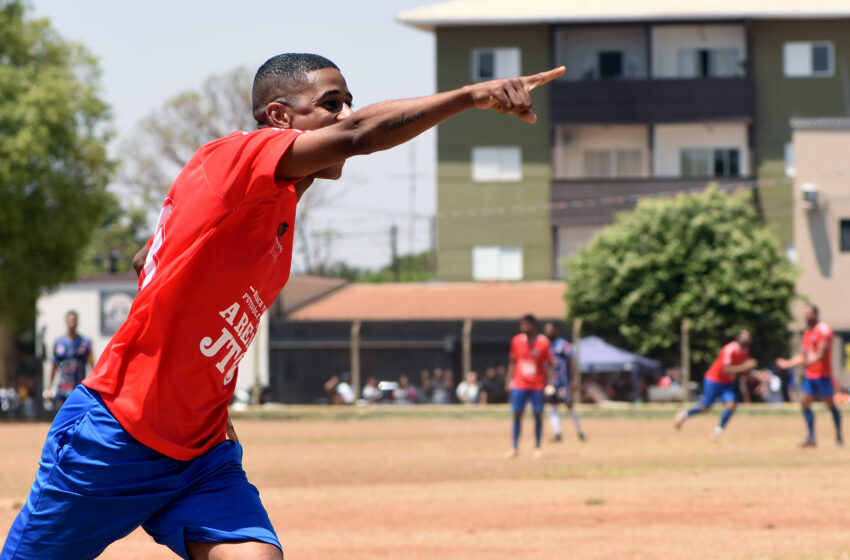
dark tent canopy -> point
(597, 356)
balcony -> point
(652, 101)
(595, 201)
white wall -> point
(577, 49)
(671, 138)
(85, 299)
(568, 159)
(668, 39)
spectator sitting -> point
(672, 378)
(339, 389)
(468, 390)
(425, 388)
(493, 388)
(405, 393)
(371, 393)
(440, 388)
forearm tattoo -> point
(395, 123)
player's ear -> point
(279, 115)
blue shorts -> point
(820, 388)
(96, 483)
(712, 391)
(520, 397)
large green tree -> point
(707, 257)
(53, 163)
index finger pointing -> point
(542, 78)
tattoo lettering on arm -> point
(395, 123)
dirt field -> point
(431, 486)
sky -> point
(151, 51)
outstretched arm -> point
(390, 123)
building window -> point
(496, 163)
(497, 263)
(710, 63)
(845, 235)
(492, 64)
(790, 170)
(613, 163)
(708, 162)
(610, 65)
(808, 59)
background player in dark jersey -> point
(565, 368)
(142, 441)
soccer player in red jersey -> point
(816, 357)
(719, 383)
(529, 371)
(143, 441)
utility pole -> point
(412, 203)
(394, 251)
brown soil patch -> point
(424, 488)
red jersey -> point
(730, 355)
(812, 338)
(220, 255)
(531, 360)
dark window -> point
(845, 236)
(703, 63)
(486, 64)
(820, 58)
(610, 65)
(726, 163)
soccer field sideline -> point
(642, 411)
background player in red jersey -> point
(529, 371)
(733, 360)
(816, 357)
(142, 441)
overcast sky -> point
(150, 51)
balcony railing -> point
(595, 201)
(652, 101)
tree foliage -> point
(53, 163)
(166, 139)
(706, 257)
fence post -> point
(575, 382)
(467, 346)
(686, 360)
(355, 356)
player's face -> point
(811, 317)
(527, 328)
(324, 101)
(71, 321)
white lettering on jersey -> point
(227, 346)
(152, 260)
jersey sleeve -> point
(730, 355)
(243, 164)
(512, 353)
(548, 354)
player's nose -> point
(346, 111)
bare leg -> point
(244, 550)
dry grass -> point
(419, 485)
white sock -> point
(575, 419)
(555, 419)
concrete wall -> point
(667, 40)
(778, 99)
(671, 138)
(822, 162)
(514, 221)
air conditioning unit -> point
(810, 196)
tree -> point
(53, 163)
(166, 139)
(707, 257)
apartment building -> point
(659, 98)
